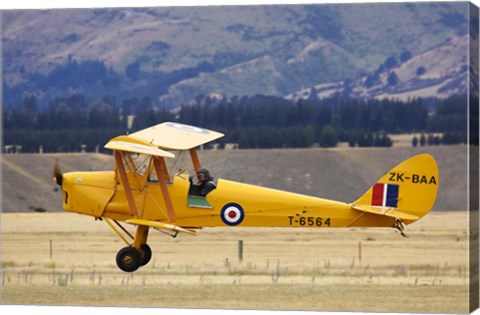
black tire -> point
(147, 254)
(128, 259)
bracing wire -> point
(175, 162)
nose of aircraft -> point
(64, 181)
(57, 174)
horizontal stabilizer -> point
(160, 225)
(386, 211)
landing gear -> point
(137, 253)
(129, 259)
(147, 254)
(400, 227)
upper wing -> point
(175, 136)
(129, 144)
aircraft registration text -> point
(414, 178)
(309, 221)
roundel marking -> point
(188, 128)
(232, 214)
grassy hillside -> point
(342, 174)
(176, 53)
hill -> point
(341, 174)
(446, 75)
(173, 54)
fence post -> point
(360, 251)
(240, 250)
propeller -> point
(57, 174)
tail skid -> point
(405, 193)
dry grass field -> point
(68, 259)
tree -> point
(415, 141)
(365, 139)
(24, 116)
(133, 71)
(405, 56)
(313, 97)
(423, 140)
(392, 79)
(382, 140)
(390, 62)
(371, 80)
(101, 115)
(421, 71)
(146, 115)
(328, 137)
(453, 138)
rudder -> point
(408, 191)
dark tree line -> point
(64, 113)
(73, 123)
(266, 121)
(446, 138)
(345, 113)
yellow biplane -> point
(141, 191)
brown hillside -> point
(340, 174)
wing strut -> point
(126, 185)
(195, 160)
(161, 170)
(117, 231)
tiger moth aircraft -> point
(142, 192)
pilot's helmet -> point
(204, 171)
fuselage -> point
(99, 194)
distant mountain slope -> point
(172, 54)
(339, 174)
(440, 71)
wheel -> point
(147, 254)
(128, 259)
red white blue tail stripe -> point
(385, 195)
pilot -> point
(205, 183)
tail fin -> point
(407, 192)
